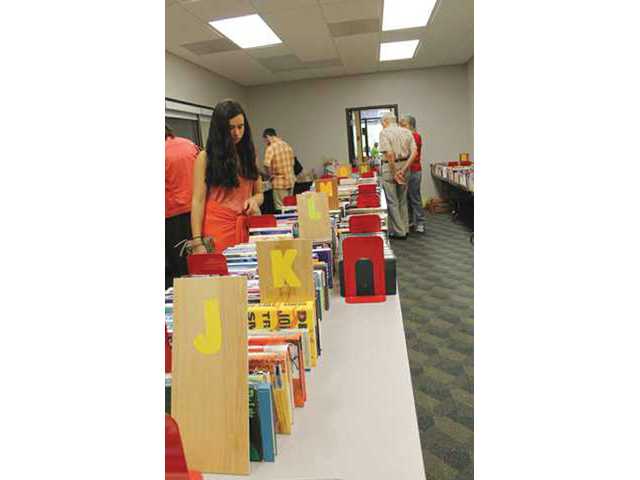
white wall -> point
(310, 114)
(470, 95)
(189, 82)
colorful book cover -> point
(295, 350)
(305, 315)
(267, 420)
(276, 364)
(255, 436)
(284, 349)
(325, 255)
(286, 315)
(266, 316)
(306, 342)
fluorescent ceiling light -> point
(398, 50)
(246, 32)
(399, 14)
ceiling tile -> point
(342, 11)
(186, 55)
(314, 73)
(354, 27)
(397, 65)
(268, 51)
(211, 46)
(406, 34)
(208, 10)
(304, 31)
(238, 66)
(182, 27)
(448, 39)
(359, 51)
(291, 62)
(270, 6)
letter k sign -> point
(282, 268)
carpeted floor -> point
(435, 277)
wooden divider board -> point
(285, 269)
(313, 216)
(330, 187)
(209, 393)
(343, 171)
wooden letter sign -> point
(330, 187)
(313, 216)
(344, 171)
(209, 398)
(285, 269)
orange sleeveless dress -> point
(223, 218)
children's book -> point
(267, 420)
(295, 343)
(255, 436)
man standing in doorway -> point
(278, 161)
(415, 177)
(399, 151)
(179, 157)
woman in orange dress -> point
(226, 183)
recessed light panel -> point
(398, 50)
(248, 31)
(399, 14)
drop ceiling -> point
(321, 38)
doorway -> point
(364, 125)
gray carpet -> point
(435, 278)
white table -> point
(360, 419)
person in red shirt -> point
(414, 179)
(180, 155)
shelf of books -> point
(457, 176)
(275, 375)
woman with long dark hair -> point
(226, 184)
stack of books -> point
(280, 232)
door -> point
(364, 125)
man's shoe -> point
(420, 229)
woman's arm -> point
(257, 192)
(253, 203)
(197, 202)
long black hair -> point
(225, 160)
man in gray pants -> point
(399, 151)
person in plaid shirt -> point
(278, 161)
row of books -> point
(460, 176)
(284, 340)
(279, 232)
(277, 385)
